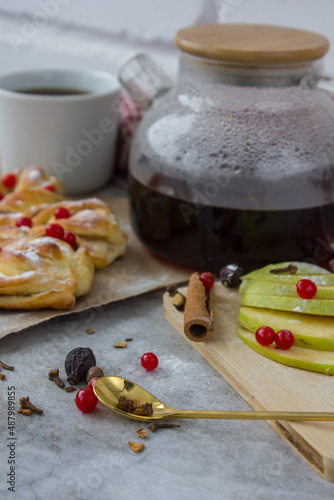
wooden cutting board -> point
(266, 384)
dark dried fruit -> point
(77, 363)
(230, 275)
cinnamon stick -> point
(198, 312)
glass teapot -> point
(235, 162)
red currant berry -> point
(70, 239)
(86, 400)
(49, 187)
(265, 335)
(62, 213)
(149, 361)
(9, 180)
(306, 289)
(207, 280)
(24, 221)
(284, 339)
(91, 383)
(55, 231)
(1, 196)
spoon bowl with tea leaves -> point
(130, 400)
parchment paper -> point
(136, 273)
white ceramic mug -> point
(72, 136)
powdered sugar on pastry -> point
(34, 175)
(38, 271)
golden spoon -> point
(109, 389)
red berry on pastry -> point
(24, 221)
(62, 213)
(55, 231)
(9, 180)
(49, 187)
(70, 239)
(1, 196)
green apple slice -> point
(303, 268)
(307, 359)
(282, 289)
(310, 331)
(292, 279)
(317, 274)
(320, 307)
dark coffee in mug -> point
(53, 91)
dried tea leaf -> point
(145, 410)
(70, 388)
(125, 404)
(137, 447)
(6, 367)
(2, 376)
(89, 331)
(120, 343)
(129, 339)
(142, 433)
(26, 412)
(135, 406)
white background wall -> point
(313, 15)
(104, 33)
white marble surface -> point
(69, 455)
(102, 34)
(147, 20)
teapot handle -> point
(325, 83)
(144, 79)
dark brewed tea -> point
(52, 91)
(208, 237)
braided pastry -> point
(35, 177)
(10, 234)
(43, 272)
(32, 188)
(23, 199)
(94, 222)
(39, 270)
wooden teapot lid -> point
(252, 43)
